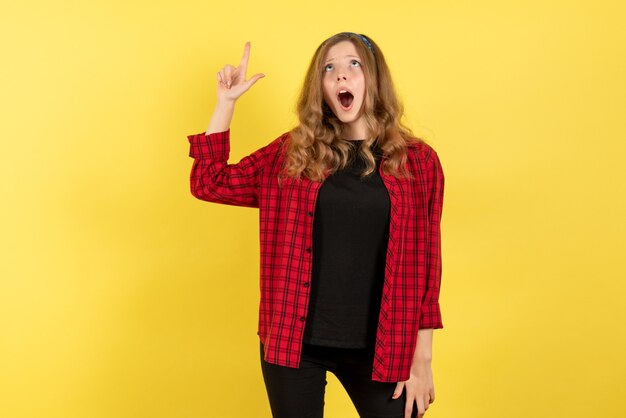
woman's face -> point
(344, 82)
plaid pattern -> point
(410, 298)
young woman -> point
(350, 205)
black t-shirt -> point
(350, 234)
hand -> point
(419, 388)
(231, 81)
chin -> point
(348, 120)
(347, 117)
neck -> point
(356, 129)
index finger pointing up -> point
(244, 59)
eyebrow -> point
(346, 56)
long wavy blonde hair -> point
(317, 148)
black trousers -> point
(299, 392)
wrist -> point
(419, 365)
(224, 110)
(225, 104)
(423, 358)
(423, 355)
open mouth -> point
(345, 99)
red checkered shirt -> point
(410, 299)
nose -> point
(341, 77)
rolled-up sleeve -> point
(214, 180)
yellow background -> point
(121, 295)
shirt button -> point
(310, 213)
(308, 249)
(302, 319)
(306, 284)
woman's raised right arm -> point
(212, 178)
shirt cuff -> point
(430, 316)
(213, 145)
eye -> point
(326, 67)
(358, 64)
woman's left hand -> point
(419, 388)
